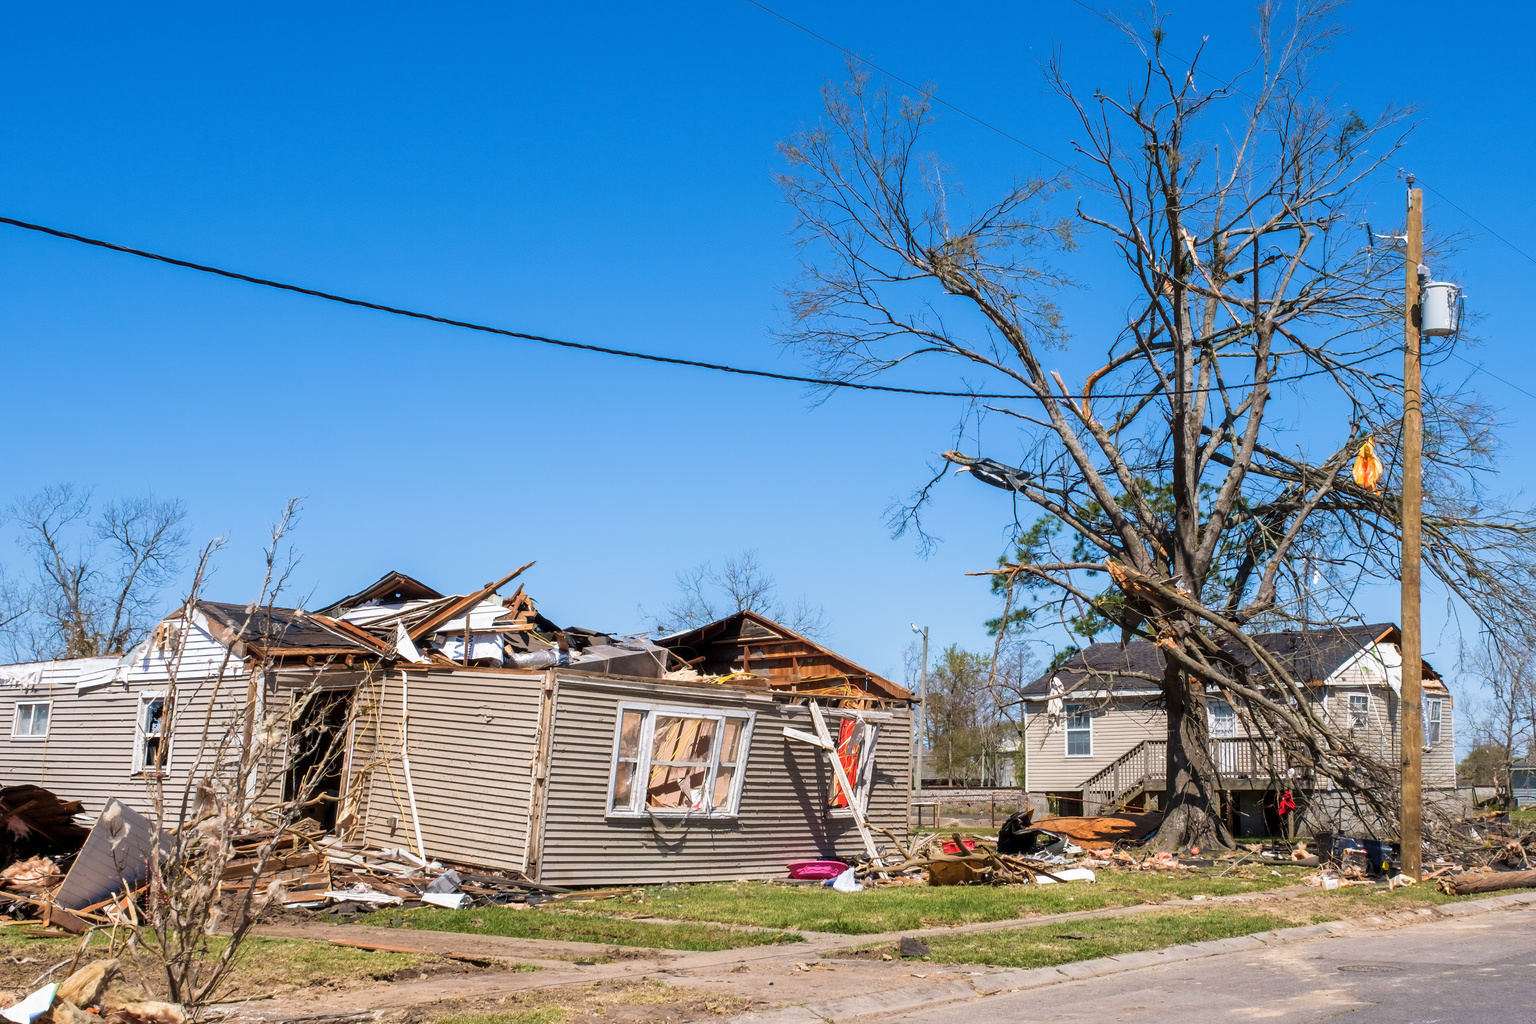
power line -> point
(1478, 367)
(583, 346)
(991, 127)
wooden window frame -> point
(17, 734)
(1069, 712)
(141, 765)
(649, 713)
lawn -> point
(1049, 945)
(910, 907)
(263, 966)
(569, 926)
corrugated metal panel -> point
(471, 751)
(784, 790)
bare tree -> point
(232, 785)
(706, 594)
(1188, 504)
(95, 576)
(1504, 726)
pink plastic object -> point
(816, 870)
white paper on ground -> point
(34, 1005)
(1069, 875)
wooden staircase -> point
(1240, 764)
(1126, 777)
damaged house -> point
(472, 730)
(1095, 732)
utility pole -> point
(922, 710)
(1411, 723)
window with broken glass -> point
(677, 762)
(856, 750)
(149, 753)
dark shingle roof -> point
(1310, 656)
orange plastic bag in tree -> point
(1368, 468)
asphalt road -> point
(1476, 970)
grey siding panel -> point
(784, 790)
(471, 752)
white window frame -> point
(1227, 720)
(864, 773)
(1359, 714)
(17, 734)
(140, 737)
(642, 761)
(1434, 714)
(1069, 712)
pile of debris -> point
(96, 992)
(317, 872)
(1057, 849)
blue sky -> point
(600, 173)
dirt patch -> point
(606, 1002)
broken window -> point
(1079, 731)
(856, 751)
(1432, 712)
(31, 720)
(678, 761)
(149, 734)
(1359, 710)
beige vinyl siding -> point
(1118, 726)
(781, 816)
(472, 739)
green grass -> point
(584, 927)
(541, 1015)
(1523, 816)
(1049, 945)
(909, 907)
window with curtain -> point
(675, 762)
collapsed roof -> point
(747, 642)
(402, 620)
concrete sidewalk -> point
(990, 982)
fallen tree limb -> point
(1488, 881)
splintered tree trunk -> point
(1193, 800)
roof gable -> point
(749, 641)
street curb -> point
(1018, 980)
